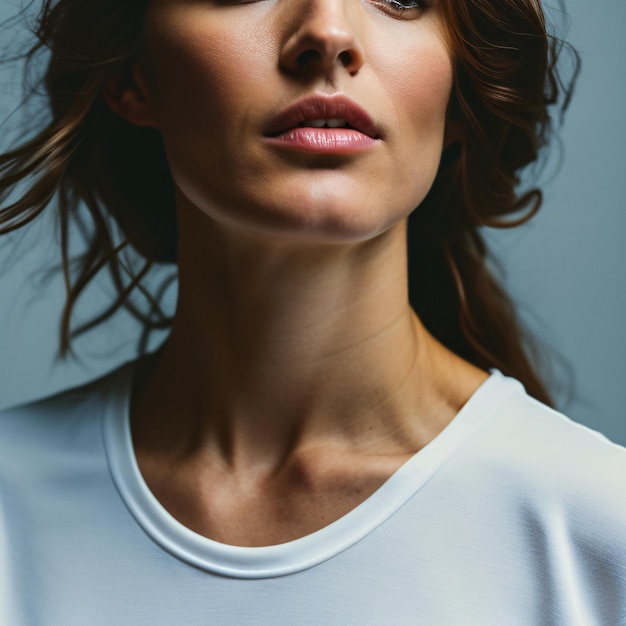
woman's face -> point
(239, 90)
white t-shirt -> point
(512, 515)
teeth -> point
(335, 123)
(320, 123)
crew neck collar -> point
(302, 553)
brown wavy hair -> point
(103, 171)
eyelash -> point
(402, 9)
(399, 9)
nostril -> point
(321, 50)
(346, 58)
(304, 58)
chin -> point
(327, 215)
(320, 222)
(334, 211)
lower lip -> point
(324, 140)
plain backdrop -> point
(566, 269)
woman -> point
(306, 447)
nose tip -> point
(323, 39)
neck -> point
(275, 346)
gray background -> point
(566, 269)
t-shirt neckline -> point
(304, 552)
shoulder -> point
(62, 424)
(553, 468)
(541, 499)
(550, 446)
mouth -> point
(324, 112)
(324, 123)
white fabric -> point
(512, 515)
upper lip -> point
(318, 106)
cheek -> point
(420, 86)
(422, 92)
(203, 99)
(417, 72)
(203, 71)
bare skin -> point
(289, 392)
(296, 379)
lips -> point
(335, 110)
